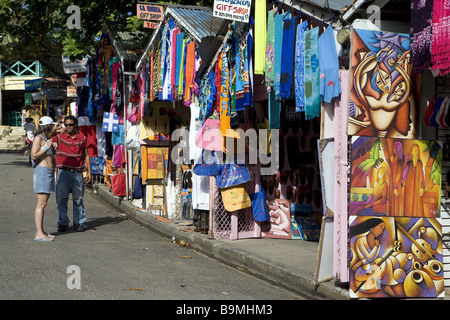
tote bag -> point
(208, 164)
(209, 136)
(118, 184)
(259, 204)
(232, 174)
(235, 198)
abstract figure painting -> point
(396, 257)
(395, 177)
(381, 103)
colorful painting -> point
(279, 223)
(395, 177)
(381, 103)
(396, 257)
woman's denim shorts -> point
(44, 180)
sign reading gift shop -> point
(149, 12)
(238, 10)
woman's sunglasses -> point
(69, 124)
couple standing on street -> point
(69, 152)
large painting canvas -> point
(395, 257)
(381, 102)
(395, 177)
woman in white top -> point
(44, 173)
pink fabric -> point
(440, 46)
(209, 136)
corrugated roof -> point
(129, 45)
(335, 5)
(198, 21)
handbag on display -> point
(259, 204)
(118, 184)
(137, 191)
(232, 174)
(209, 136)
(235, 198)
(208, 164)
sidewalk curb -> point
(295, 280)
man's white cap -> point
(46, 120)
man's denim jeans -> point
(70, 182)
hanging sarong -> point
(163, 66)
(274, 111)
(278, 43)
(441, 37)
(330, 86)
(312, 74)
(190, 65)
(260, 35)
(421, 34)
(299, 73)
(269, 70)
(288, 58)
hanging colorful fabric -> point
(278, 41)
(288, 58)
(190, 65)
(330, 86)
(163, 66)
(312, 74)
(235, 198)
(274, 111)
(421, 34)
(299, 72)
(260, 35)
(269, 67)
(209, 136)
(225, 107)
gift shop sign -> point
(238, 10)
(150, 12)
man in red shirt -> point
(72, 158)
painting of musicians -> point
(395, 257)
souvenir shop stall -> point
(382, 161)
(102, 87)
(165, 99)
(263, 91)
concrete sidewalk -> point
(291, 263)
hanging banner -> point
(150, 12)
(238, 10)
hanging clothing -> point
(163, 65)
(278, 43)
(225, 106)
(288, 58)
(274, 111)
(330, 86)
(421, 34)
(312, 74)
(190, 66)
(269, 67)
(260, 35)
(299, 72)
(440, 37)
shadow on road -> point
(92, 224)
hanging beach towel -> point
(260, 35)
(278, 42)
(312, 74)
(288, 58)
(269, 67)
(235, 198)
(299, 72)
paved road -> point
(116, 258)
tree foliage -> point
(37, 29)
